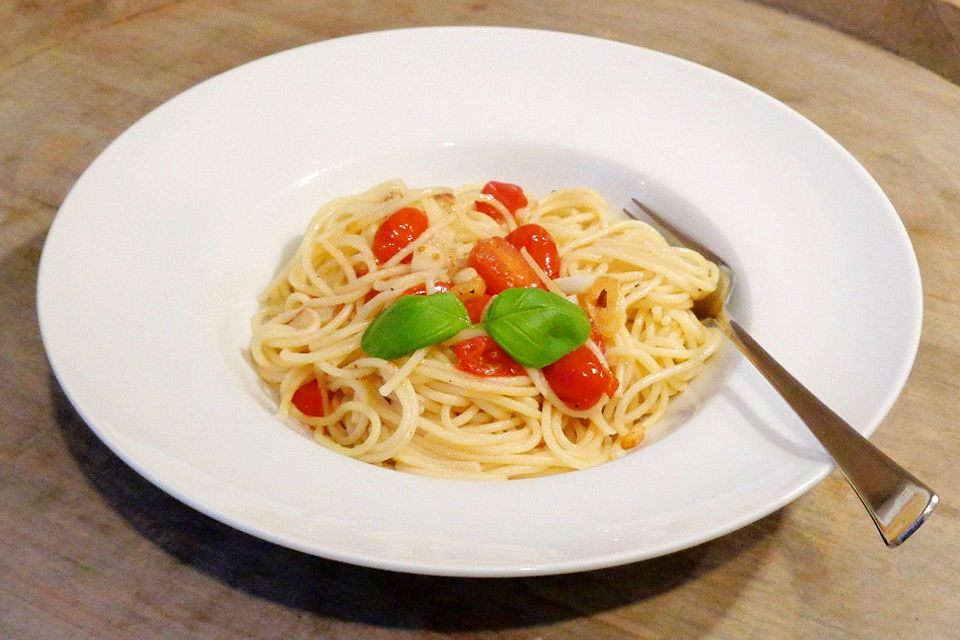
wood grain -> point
(92, 550)
(925, 31)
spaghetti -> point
(429, 413)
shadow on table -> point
(387, 599)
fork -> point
(897, 501)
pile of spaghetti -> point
(350, 362)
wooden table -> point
(92, 550)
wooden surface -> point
(92, 550)
(925, 31)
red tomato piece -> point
(539, 244)
(400, 229)
(310, 399)
(475, 307)
(580, 378)
(509, 195)
(501, 265)
(490, 210)
(481, 356)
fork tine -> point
(681, 237)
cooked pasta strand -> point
(420, 413)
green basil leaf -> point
(412, 322)
(534, 326)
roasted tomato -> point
(501, 265)
(539, 244)
(310, 399)
(481, 356)
(509, 195)
(396, 232)
(580, 378)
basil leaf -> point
(534, 326)
(412, 322)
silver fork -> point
(896, 500)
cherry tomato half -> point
(509, 195)
(501, 265)
(481, 356)
(580, 378)
(539, 244)
(400, 229)
(310, 399)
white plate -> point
(150, 271)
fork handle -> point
(896, 500)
